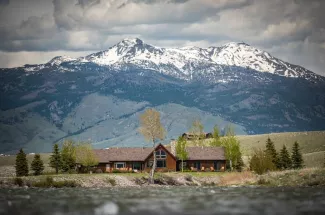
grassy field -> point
(312, 144)
(10, 160)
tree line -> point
(269, 159)
(61, 160)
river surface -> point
(163, 200)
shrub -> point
(18, 181)
(261, 162)
(116, 171)
(262, 181)
(208, 184)
(111, 181)
(98, 171)
(49, 182)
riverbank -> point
(293, 178)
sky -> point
(35, 31)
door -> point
(198, 165)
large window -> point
(119, 165)
(160, 154)
(161, 163)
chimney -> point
(173, 147)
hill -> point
(312, 144)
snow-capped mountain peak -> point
(186, 61)
(60, 59)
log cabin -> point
(141, 159)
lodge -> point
(141, 159)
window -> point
(161, 163)
(160, 154)
(137, 165)
(119, 165)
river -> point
(163, 200)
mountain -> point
(99, 97)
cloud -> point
(4, 2)
(292, 29)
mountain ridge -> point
(82, 99)
(183, 62)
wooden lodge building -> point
(141, 159)
(191, 136)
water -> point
(163, 200)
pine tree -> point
(270, 150)
(55, 159)
(21, 164)
(285, 160)
(37, 165)
(297, 160)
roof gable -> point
(163, 147)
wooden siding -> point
(170, 162)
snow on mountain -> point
(184, 62)
(60, 59)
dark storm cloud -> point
(292, 29)
(4, 2)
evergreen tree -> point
(285, 160)
(37, 165)
(297, 160)
(21, 164)
(270, 150)
(55, 159)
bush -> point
(261, 162)
(49, 182)
(116, 171)
(98, 171)
(262, 181)
(18, 181)
(112, 181)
